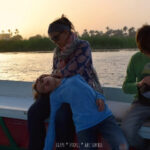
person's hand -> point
(140, 83)
(145, 80)
(57, 74)
(101, 105)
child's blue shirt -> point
(82, 99)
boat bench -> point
(16, 98)
(119, 103)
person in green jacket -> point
(137, 77)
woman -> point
(71, 56)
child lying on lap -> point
(87, 118)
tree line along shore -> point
(99, 41)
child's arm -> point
(130, 84)
(100, 101)
(99, 96)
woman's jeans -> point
(37, 114)
(133, 121)
(109, 130)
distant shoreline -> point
(114, 50)
(93, 50)
(45, 44)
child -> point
(87, 118)
(136, 82)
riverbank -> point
(103, 43)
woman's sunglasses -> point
(55, 37)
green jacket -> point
(138, 68)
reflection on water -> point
(110, 66)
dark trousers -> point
(37, 114)
(88, 138)
(134, 119)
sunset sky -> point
(32, 17)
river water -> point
(18, 66)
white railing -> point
(16, 98)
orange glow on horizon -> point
(32, 17)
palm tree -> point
(16, 32)
(118, 32)
(85, 33)
(98, 33)
(125, 28)
(131, 32)
(9, 31)
(109, 31)
(107, 28)
(91, 32)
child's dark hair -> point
(143, 39)
(61, 21)
(36, 94)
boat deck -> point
(16, 98)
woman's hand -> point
(57, 74)
(101, 105)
